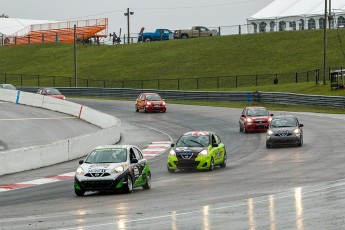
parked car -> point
(284, 130)
(111, 168)
(150, 102)
(197, 150)
(7, 86)
(255, 119)
(52, 92)
(158, 35)
(194, 32)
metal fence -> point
(197, 83)
(265, 97)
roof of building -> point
(9, 26)
(291, 8)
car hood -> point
(189, 149)
(106, 166)
(264, 118)
(283, 129)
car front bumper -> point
(198, 163)
(283, 141)
(109, 183)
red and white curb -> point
(154, 149)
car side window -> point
(131, 154)
(213, 140)
(137, 153)
(218, 141)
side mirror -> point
(134, 161)
(172, 145)
(271, 114)
(81, 162)
(300, 125)
(142, 99)
(243, 115)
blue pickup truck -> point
(158, 35)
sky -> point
(151, 14)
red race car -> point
(52, 92)
(150, 102)
(255, 119)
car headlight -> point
(296, 131)
(148, 103)
(249, 120)
(79, 171)
(270, 132)
(172, 152)
(163, 103)
(270, 119)
(203, 152)
(118, 169)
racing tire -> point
(223, 164)
(136, 109)
(241, 130)
(147, 185)
(145, 110)
(129, 185)
(211, 165)
(147, 39)
(268, 146)
(170, 170)
(244, 129)
(300, 142)
(79, 192)
(184, 36)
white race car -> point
(112, 167)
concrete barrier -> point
(29, 158)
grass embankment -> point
(264, 53)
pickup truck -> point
(195, 32)
(158, 35)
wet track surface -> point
(280, 188)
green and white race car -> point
(197, 150)
(112, 167)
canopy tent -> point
(306, 14)
(9, 26)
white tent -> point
(9, 26)
(283, 15)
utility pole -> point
(325, 45)
(330, 17)
(127, 14)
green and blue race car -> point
(197, 150)
(111, 168)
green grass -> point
(210, 59)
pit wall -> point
(29, 158)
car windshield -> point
(7, 86)
(257, 112)
(52, 91)
(193, 141)
(107, 156)
(153, 97)
(283, 122)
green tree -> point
(3, 16)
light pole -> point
(127, 14)
(324, 44)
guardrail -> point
(258, 96)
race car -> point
(150, 102)
(254, 119)
(111, 168)
(197, 150)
